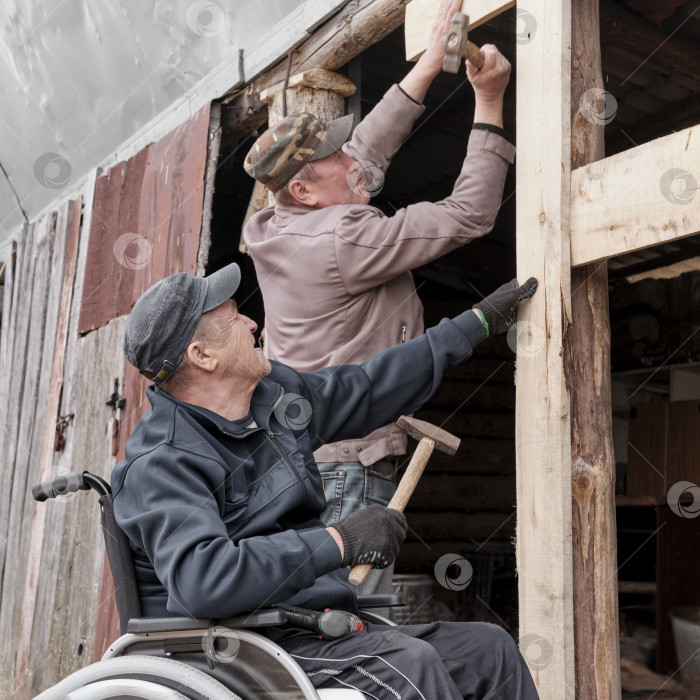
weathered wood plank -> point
(594, 548)
(464, 492)
(78, 537)
(33, 635)
(543, 437)
(635, 199)
(28, 422)
(421, 13)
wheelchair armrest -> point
(256, 618)
(380, 600)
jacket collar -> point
(265, 398)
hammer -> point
(430, 437)
(457, 45)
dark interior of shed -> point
(464, 506)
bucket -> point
(417, 593)
(686, 634)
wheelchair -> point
(178, 658)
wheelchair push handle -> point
(69, 482)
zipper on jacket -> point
(284, 454)
(403, 333)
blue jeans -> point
(350, 486)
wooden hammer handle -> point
(405, 488)
(475, 55)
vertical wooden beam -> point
(597, 648)
(543, 432)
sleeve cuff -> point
(325, 555)
(468, 322)
(495, 130)
(415, 102)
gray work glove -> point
(372, 535)
(498, 310)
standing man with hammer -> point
(335, 271)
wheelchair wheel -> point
(164, 678)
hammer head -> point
(418, 429)
(456, 42)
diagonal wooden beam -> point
(636, 199)
(421, 13)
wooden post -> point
(316, 90)
(596, 633)
(543, 433)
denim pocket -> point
(333, 483)
(379, 488)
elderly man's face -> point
(240, 358)
(339, 181)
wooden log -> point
(464, 492)
(635, 328)
(587, 348)
(543, 433)
(655, 11)
(420, 15)
(476, 455)
(460, 526)
(671, 53)
(359, 25)
(645, 294)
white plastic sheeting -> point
(79, 78)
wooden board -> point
(421, 13)
(543, 430)
(147, 223)
(40, 261)
(57, 316)
(636, 199)
(647, 453)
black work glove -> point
(498, 310)
(372, 535)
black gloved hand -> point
(372, 535)
(498, 309)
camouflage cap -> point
(284, 149)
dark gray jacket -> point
(222, 518)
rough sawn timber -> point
(421, 13)
(636, 199)
(543, 432)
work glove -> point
(372, 535)
(498, 310)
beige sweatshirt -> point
(336, 281)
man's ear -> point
(202, 356)
(303, 192)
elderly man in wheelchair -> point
(215, 514)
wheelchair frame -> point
(150, 673)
